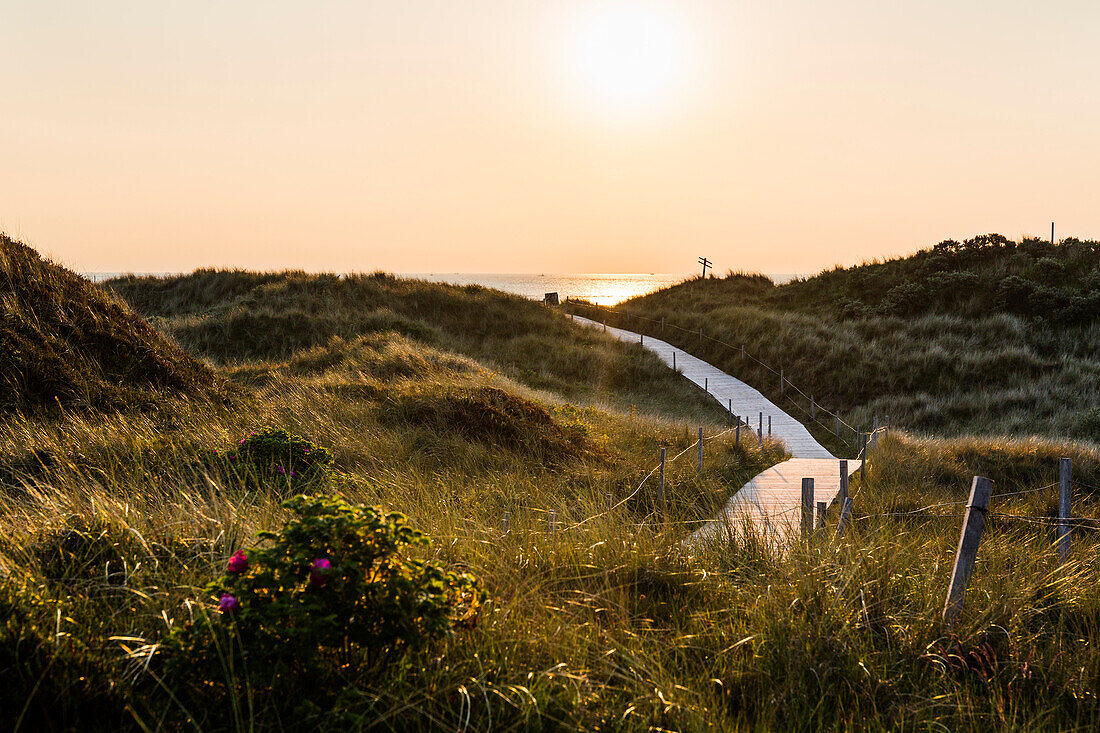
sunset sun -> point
(628, 59)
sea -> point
(602, 288)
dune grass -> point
(986, 337)
(115, 521)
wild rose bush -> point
(333, 581)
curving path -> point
(773, 499)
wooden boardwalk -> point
(772, 501)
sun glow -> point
(629, 59)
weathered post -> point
(737, 432)
(862, 455)
(700, 450)
(661, 485)
(729, 409)
(885, 425)
(843, 493)
(673, 361)
(969, 539)
(845, 515)
(742, 352)
(1065, 473)
(760, 429)
(706, 384)
(874, 434)
(769, 426)
(821, 509)
(641, 339)
(807, 506)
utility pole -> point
(705, 263)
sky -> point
(562, 136)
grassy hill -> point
(464, 408)
(984, 337)
(65, 343)
(234, 317)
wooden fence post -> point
(874, 434)
(822, 507)
(843, 493)
(706, 384)
(769, 426)
(700, 451)
(807, 506)
(760, 429)
(673, 361)
(737, 432)
(845, 515)
(661, 485)
(742, 352)
(1065, 473)
(862, 454)
(641, 339)
(969, 540)
(729, 409)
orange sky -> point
(466, 136)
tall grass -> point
(113, 523)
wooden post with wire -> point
(700, 451)
(862, 454)
(760, 429)
(842, 493)
(822, 507)
(845, 516)
(1065, 474)
(807, 506)
(969, 539)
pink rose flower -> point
(318, 576)
(238, 563)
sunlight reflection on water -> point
(602, 288)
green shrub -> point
(283, 456)
(333, 581)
